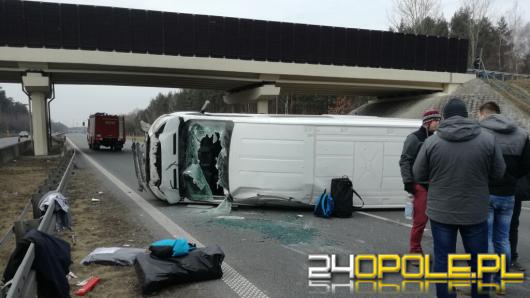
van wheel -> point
(89, 146)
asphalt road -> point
(270, 247)
(4, 142)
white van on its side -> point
(272, 159)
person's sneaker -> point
(516, 266)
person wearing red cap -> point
(413, 143)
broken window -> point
(205, 158)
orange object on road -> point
(90, 284)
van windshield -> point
(205, 148)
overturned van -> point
(272, 159)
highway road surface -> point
(4, 142)
(268, 248)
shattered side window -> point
(205, 158)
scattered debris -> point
(229, 217)
(299, 215)
(199, 206)
(225, 207)
(200, 264)
(95, 200)
(122, 256)
(71, 275)
(83, 282)
(285, 232)
(90, 284)
(100, 192)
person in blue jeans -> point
(458, 161)
(515, 148)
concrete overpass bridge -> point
(42, 44)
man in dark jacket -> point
(431, 119)
(522, 193)
(458, 162)
(516, 152)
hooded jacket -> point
(459, 161)
(515, 149)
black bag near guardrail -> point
(342, 192)
(200, 264)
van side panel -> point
(272, 159)
(299, 161)
(368, 155)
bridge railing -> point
(68, 26)
(24, 282)
(498, 75)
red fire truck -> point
(106, 130)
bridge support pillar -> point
(37, 86)
(450, 88)
(261, 94)
(263, 106)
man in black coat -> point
(431, 119)
(522, 193)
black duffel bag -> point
(200, 264)
(342, 193)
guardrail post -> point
(20, 228)
(35, 200)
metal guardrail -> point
(499, 75)
(24, 282)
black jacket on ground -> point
(411, 147)
(52, 263)
(515, 150)
(458, 161)
(522, 192)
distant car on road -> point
(23, 135)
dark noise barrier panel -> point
(87, 27)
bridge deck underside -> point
(128, 69)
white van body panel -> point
(299, 161)
(290, 160)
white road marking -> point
(237, 282)
(406, 225)
(294, 250)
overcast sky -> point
(74, 103)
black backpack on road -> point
(342, 192)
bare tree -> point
(518, 36)
(478, 11)
(412, 13)
(525, 48)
